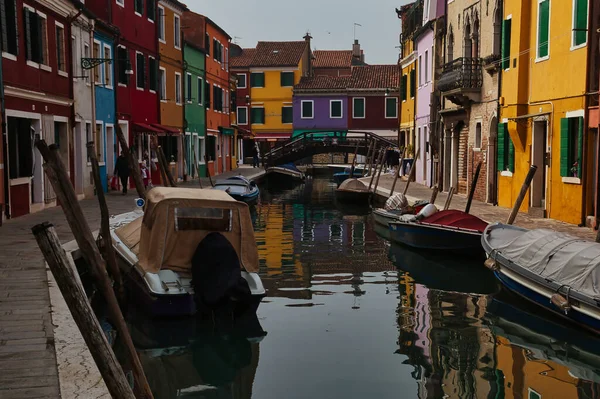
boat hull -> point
(384, 218)
(353, 197)
(341, 177)
(437, 238)
(284, 173)
(247, 198)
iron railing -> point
(462, 73)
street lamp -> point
(90, 63)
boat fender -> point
(427, 211)
(561, 301)
(491, 264)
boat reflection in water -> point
(185, 359)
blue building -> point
(105, 103)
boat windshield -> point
(213, 219)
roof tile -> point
(323, 83)
(244, 59)
(277, 54)
(332, 58)
(375, 77)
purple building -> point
(320, 103)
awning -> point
(320, 133)
(272, 136)
(227, 131)
(527, 116)
(166, 129)
(145, 128)
(245, 133)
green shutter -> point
(287, 115)
(391, 107)
(543, 28)
(257, 115)
(501, 145)
(506, 33)
(413, 82)
(564, 147)
(403, 88)
(287, 79)
(579, 146)
(257, 79)
(511, 153)
(581, 21)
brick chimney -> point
(357, 53)
(308, 60)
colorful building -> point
(337, 63)
(171, 81)
(240, 61)
(594, 111)
(38, 99)
(195, 74)
(411, 17)
(542, 114)
(274, 70)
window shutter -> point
(564, 147)
(153, 74)
(413, 82)
(207, 94)
(543, 28)
(511, 153)
(501, 145)
(152, 9)
(9, 24)
(506, 33)
(3, 24)
(581, 21)
(207, 44)
(404, 87)
(26, 15)
(580, 146)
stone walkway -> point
(482, 210)
(28, 339)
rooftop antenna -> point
(355, 25)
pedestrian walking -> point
(145, 173)
(122, 170)
(255, 157)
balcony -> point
(461, 81)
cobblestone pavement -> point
(482, 210)
(28, 339)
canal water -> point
(348, 315)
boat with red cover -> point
(448, 230)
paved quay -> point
(42, 353)
(480, 209)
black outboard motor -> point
(216, 276)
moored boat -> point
(340, 177)
(192, 251)
(240, 188)
(286, 171)
(448, 230)
(353, 191)
(395, 208)
(554, 270)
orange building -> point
(170, 78)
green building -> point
(195, 111)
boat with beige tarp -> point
(191, 251)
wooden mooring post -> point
(413, 170)
(434, 194)
(109, 251)
(449, 198)
(197, 170)
(472, 190)
(370, 154)
(377, 162)
(134, 168)
(82, 312)
(161, 156)
(208, 171)
(521, 197)
(354, 160)
(398, 171)
(380, 170)
(57, 174)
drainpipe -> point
(498, 119)
(4, 203)
(586, 102)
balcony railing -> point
(462, 73)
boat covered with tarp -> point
(348, 172)
(285, 171)
(192, 251)
(395, 208)
(353, 191)
(555, 270)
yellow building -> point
(410, 15)
(542, 107)
(171, 81)
(275, 68)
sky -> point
(330, 23)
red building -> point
(336, 63)
(36, 72)
(373, 100)
(240, 68)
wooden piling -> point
(197, 170)
(161, 155)
(377, 162)
(370, 154)
(134, 168)
(434, 194)
(208, 172)
(354, 160)
(380, 170)
(398, 171)
(521, 197)
(109, 250)
(81, 310)
(162, 169)
(449, 198)
(413, 170)
(57, 174)
(472, 189)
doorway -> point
(539, 149)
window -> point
(426, 67)
(241, 80)
(161, 24)
(151, 5)
(420, 71)
(404, 87)
(123, 65)
(188, 88)
(88, 136)
(99, 141)
(215, 49)
(34, 36)
(207, 44)
(543, 30)
(257, 79)
(20, 146)
(287, 114)
(227, 59)
(211, 148)
(200, 151)
(257, 115)
(140, 71)
(107, 67)
(391, 107)
(177, 25)
(242, 115)
(74, 56)
(335, 109)
(506, 33)
(217, 98)
(207, 94)
(533, 394)
(8, 22)
(571, 146)
(478, 135)
(200, 91)
(162, 77)
(121, 2)
(86, 54)
(97, 70)
(358, 108)
(139, 6)
(308, 108)
(44, 39)
(580, 22)
(287, 79)
(413, 83)
(506, 149)
(153, 72)
(177, 88)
